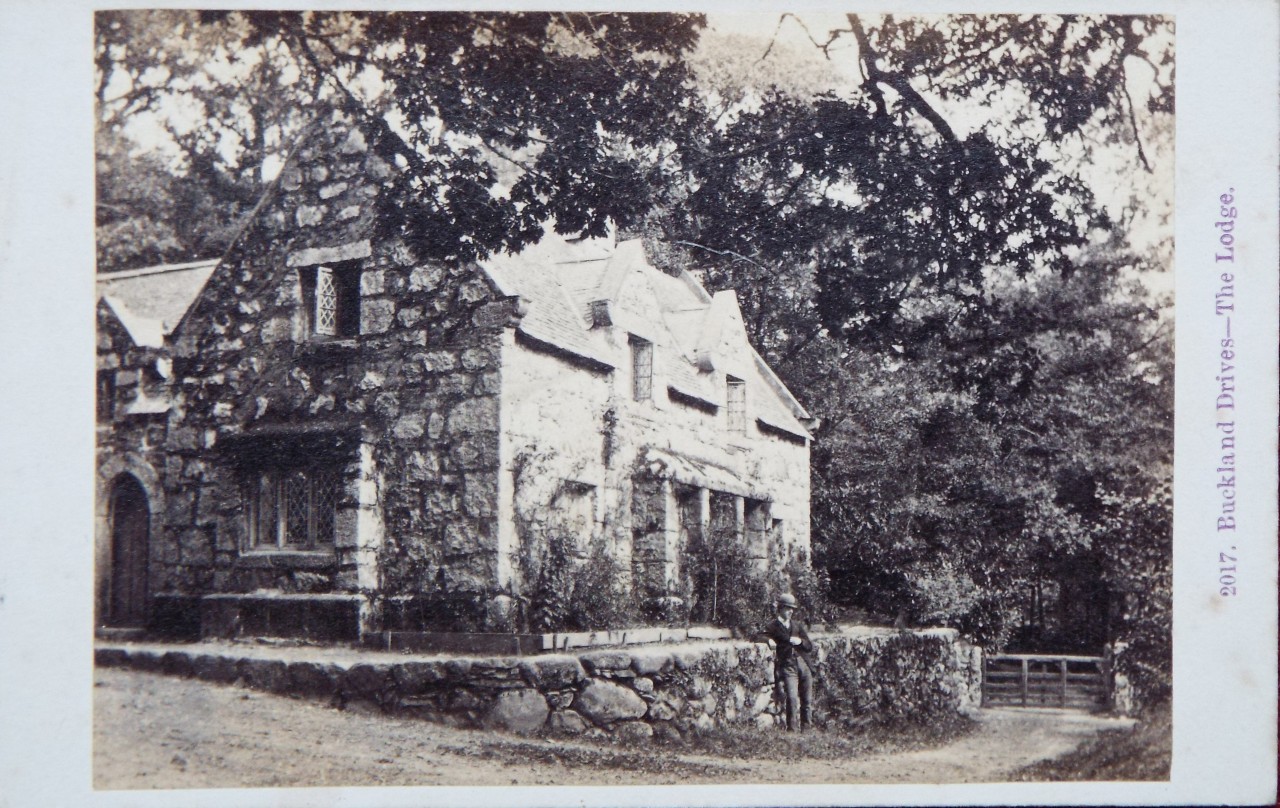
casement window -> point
(736, 404)
(292, 508)
(331, 298)
(641, 369)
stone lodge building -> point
(321, 424)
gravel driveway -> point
(153, 731)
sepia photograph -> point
(644, 398)
(775, 401)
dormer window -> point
(331, 297)
(641, 369)
(736, 404)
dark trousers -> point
(796, 685)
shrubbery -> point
(569, 592)
(729, 590)
(810, 587)
(1139, 560)
(725, 586)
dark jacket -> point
(781, 636)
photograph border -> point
(1228, 118)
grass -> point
(583, 756)
(734, 743)
(1140, 753)
(822, 743)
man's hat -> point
(787, 600)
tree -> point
(134, 207)
(957, 482)
(896, 212)
(223, 110)
(974, 359)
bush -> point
(601, 596)
(810, 588)
(549, 582)
(570, 593)
(1137, 536)
(726, 588)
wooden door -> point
(130, 540)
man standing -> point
(790, 667)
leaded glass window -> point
(331, 301)
(641, 369)
(292, 509)
(294, 495)
(736, 404)
(326, 302)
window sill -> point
(320, 343)
(286, 559)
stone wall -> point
(862, 676)
(405, 410)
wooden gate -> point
(1046, 680)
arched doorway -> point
(130, 541)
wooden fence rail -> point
(1046, 680)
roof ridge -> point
(157, 269)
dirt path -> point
(152, 731)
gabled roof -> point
(557, 314)
(151, 301)
(689, 328)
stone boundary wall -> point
(666, 691)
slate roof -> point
(699, 472)
(151, 301)
(559, 280)
(554, 316)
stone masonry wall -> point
(862, 676)
(408, 407)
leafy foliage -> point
(904, 678)
(727, 588)
(1138, 563)
(810, 587)
(987, 477)
(570, 593)
(224, 109)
